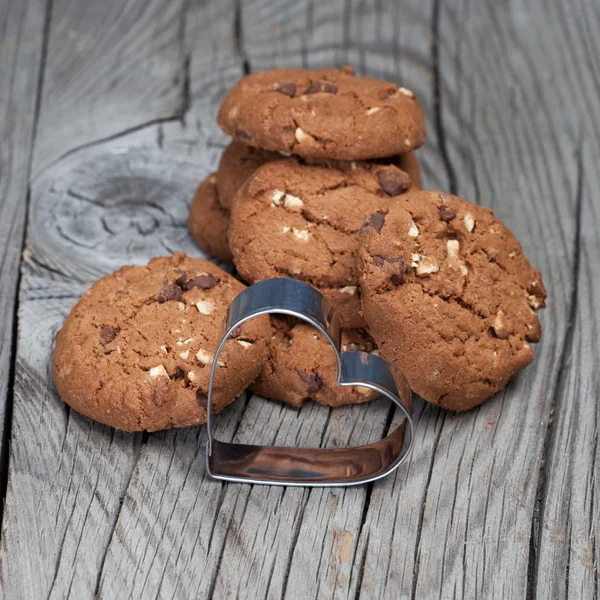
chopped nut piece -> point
(463, 269)
(511, 254)
(413, 231)
(286, 229)
(427, 266)
(192, 376)
(500, 326)
(276, 197)
(469, 222)
(212, 179)
(415, 258)
(406, 92)
(349, 289)
(244, 343)
(301, 234)
(452, 247)
(205, 307)
(301, 136)
(233, 113)
(292, 202)
(206, 359)
(534, 302)
(407, 143)
(164, 349)
(158, 371)
(185, 342)
(184, 355)
(363, 391)
(372, 111)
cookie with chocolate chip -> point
(237, 163)
(208, 220)
(302, 365)
(449, 297)
(302, 221)
(136, 351)
(327, 113)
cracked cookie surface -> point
(136, 351)
(302, 365)
(450, 299)
(208, 220)
(327, 113)
(300, 221)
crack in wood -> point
(550, 435)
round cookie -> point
(328, 113)
(237, 163)
(300, 221)
(136, 351)
(208, 220)
(449, 297)
(302, 365)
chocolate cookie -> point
(449, 297)
(237, 163)
(302, 365)
(300, 221)
(208, 220)
(136, 351)
(323, 114)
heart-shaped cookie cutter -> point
(322, 467)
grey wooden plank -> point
(119, 200)
(510, 140)
(21, 49)
(568, 564)
(111, 67)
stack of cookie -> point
(314, 153)
(319, 184)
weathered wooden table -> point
(107, 122)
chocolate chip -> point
(179, 373)
(321, 87)
(236, 332)
(190, 280)
(287, 88)
(312, 380)
(240, 133)
(393, 266)
(376, 221)
(107, 335)
(169, 291)
(393, 181)
(202, 400)
(446, 214)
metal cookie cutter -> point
(273, 465)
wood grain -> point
(111, 67)
(21, 53)
(498, 502)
